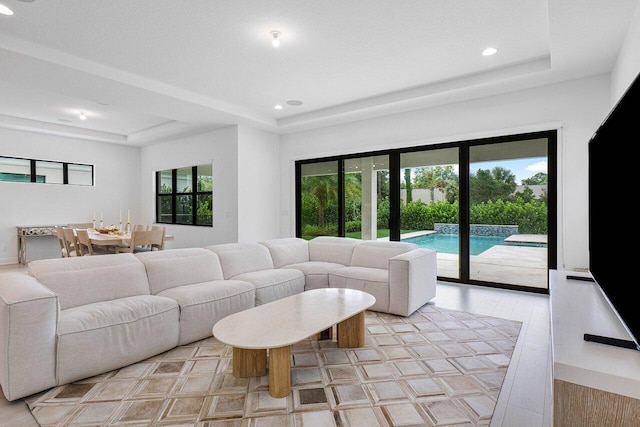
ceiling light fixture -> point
(294, 102)
(278, 107)
(83, 116)
(489, 51)
(4, 10)
(275, 34)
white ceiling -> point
(144, 71)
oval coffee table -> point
(276, 325)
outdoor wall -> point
(219, 147)
(575, 108)
(116, 176)
(258, 190)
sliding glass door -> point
(508, 205)
(486, 206)
(429, 204)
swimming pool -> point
(449, 243)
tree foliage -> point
(495, 184)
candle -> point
(120, 216)
(128, 216)
(94, 215)
(100, 215)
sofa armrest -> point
(412, 280)
(28, 322)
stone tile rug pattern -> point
(437, 367)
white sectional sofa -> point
(72, 318)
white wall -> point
(575, 108)
(258, 185)
(219, 147)
(627, 64)
(116, 187)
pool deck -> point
(512, 264)
(527, 238)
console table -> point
(593, 384)
(25, 231)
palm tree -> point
(435, 177)
(323, 188)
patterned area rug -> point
(436, 367)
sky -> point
(521, 168)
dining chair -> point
(142, 241)
(160, 246)
(71, 242)
(61, 241)
(85, 247)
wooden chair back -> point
(61, 241)
(155, 246)
(84, 242)
(143, 240)
(71, 243)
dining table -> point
(113, 238)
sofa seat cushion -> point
(273, 284)
(99, 337)
(371, 280)
(203, 304)
(316, 273)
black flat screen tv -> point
(613, 223)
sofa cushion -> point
(332, 249)
(376, 254)
(316, 273)
(99, 337)
(203, 304)
(371, 280)
(238, 258)
(288, 250)
(84, 280)
(177, 267)
(274, 284)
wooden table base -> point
(249, 363)
(279, 371)
(253, 362)
(351, 331)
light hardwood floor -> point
(525, 399)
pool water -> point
(449, 243)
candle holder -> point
(128, 227)
(93, 224)
(101, 224)
(120, 227)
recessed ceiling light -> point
(83, 116)
(278, 107)
(275, 35)
(294, 102)
(4, 10)
(489, 51)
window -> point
(185, 196)
(13, 169)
